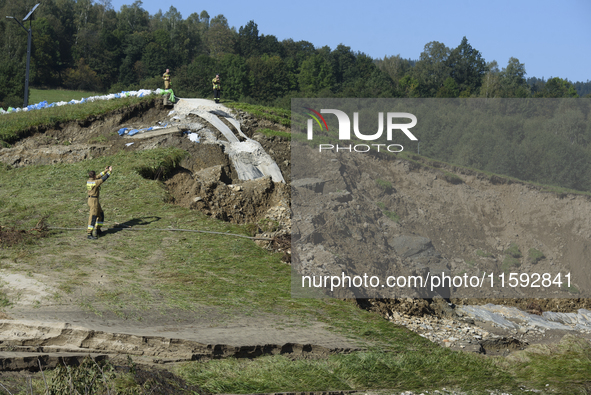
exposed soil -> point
(205, 181)
(405, 217)
(152, 378)
(35, 337)
(382, 216)
(437, 320)
(80, 140)
(468, 225)
(12, 236)
(422, 307)
(212, 192)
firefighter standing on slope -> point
(97, 216)
(166, 78)
(217, 87)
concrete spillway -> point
(247, 155)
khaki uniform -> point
(217, 87)
(97, 216)
(166, 78)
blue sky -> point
(552, 38)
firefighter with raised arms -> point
(97, 216)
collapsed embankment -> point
(473, 222)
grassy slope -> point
(57, 95)
(196, 270)
(277, 115)
(14, 126)
(155, 269)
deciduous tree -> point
(513, 79)
(315, 74)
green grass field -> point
(231, 274)
(156, 269)
(14, 125)
(237, 277)
(57, 95)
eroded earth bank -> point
(412, 215)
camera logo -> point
(345, 124)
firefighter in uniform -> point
(166, 78)
(217, 87)
(97, 216)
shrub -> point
(452, 178)
(510, 262)
(11, 101)
(154, 83)
(483, 254)
(90, 377)
(268, 225)
(12, 78)
(82, 78)
(572, 289)
(159, 164)
(390, 214)
(98, 139)
(251, 229)
(514, 251)
(534, 256)
(384, 185)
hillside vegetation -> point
(85, 45)
(154, 270)
(15, 126)
(91, 46)
(552, 147)
(155, 273)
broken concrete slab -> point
(158, 132)
(248, 156)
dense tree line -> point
(543, 141)
(87, 45)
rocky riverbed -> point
(493, 329)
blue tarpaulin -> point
(131, 132)
(44, 104)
